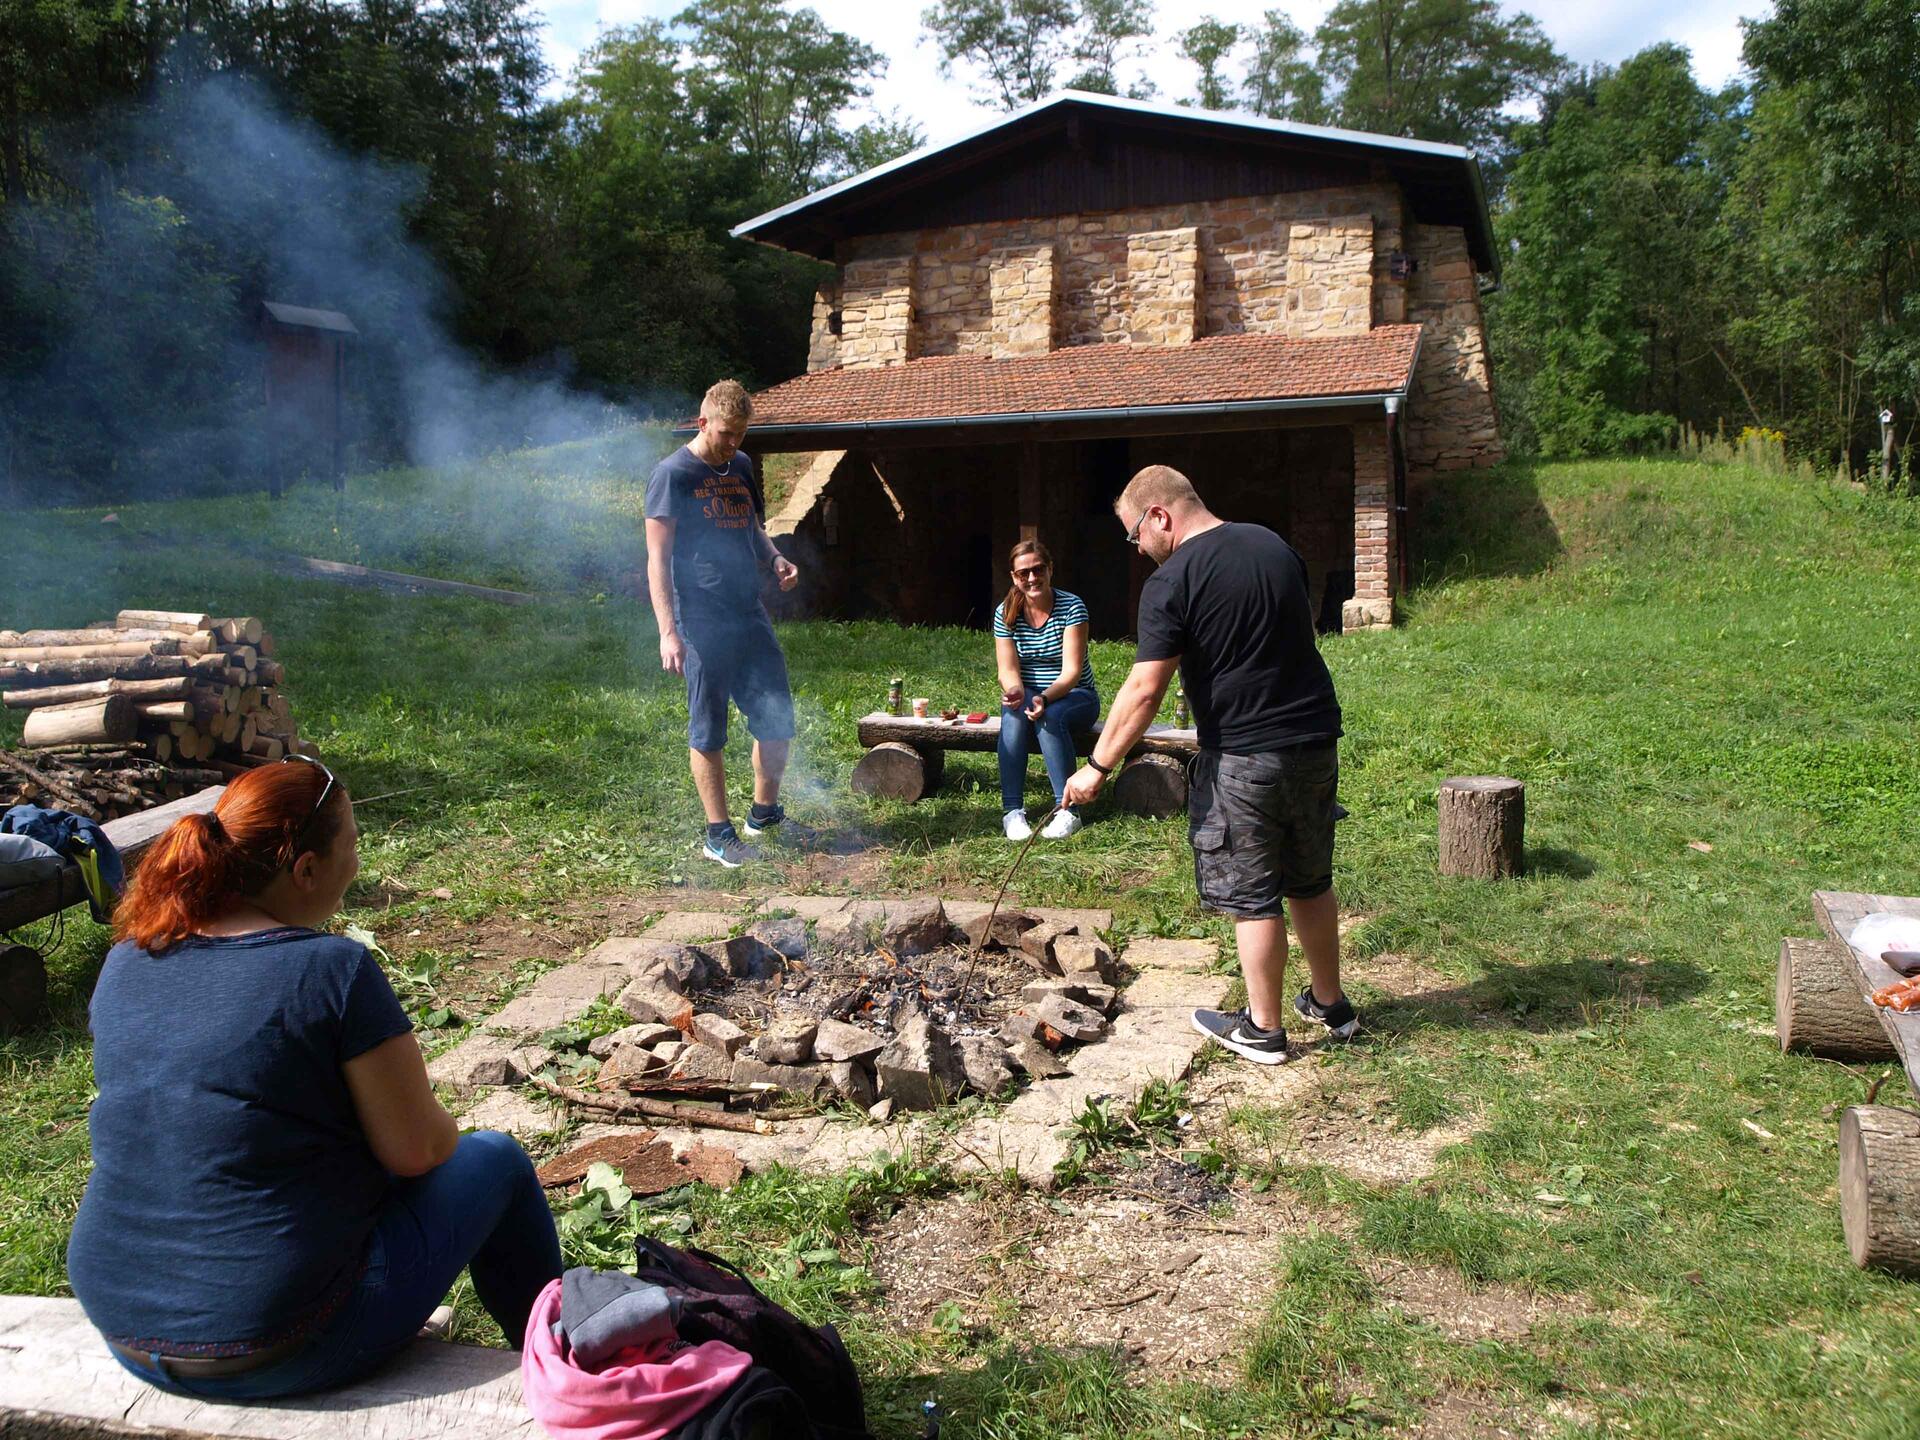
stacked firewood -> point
(127, 713)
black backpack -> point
(718, 1302)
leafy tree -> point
(1021, 48)
(1207, 45)
(1282, 81)
(1847, 78)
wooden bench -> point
(23, 974)
(58, 1380)
(1821, 1004)
(906, 758)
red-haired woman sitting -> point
(278, 1202)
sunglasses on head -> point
(318, 805)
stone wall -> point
(1244, 250)
(877, 311)
(1452, 420)
(1330, 276)
(1375, 535)
(1164, 287)
(1023, 287)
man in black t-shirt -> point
(707, 557)
(1228, 608)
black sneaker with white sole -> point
(758, 825)
(1235, 1030)
(1339, 1018)
(730, 851)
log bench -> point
(58, 1380)
(906, 758)
(23, 974)
(1821, 1005)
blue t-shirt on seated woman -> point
(233, 1189)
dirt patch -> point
(1160, 1279)
(1442, 1298)
(1459, 1416)
(1400, 976)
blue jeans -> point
(482, 1209)
(1052, 737)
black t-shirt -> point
(717, 556)
(1231, 604)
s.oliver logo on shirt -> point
(725, 501)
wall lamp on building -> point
(1401, 265)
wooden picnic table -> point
(906, 758)
(1815, 999)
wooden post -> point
(897, 771)
(1880, 1187)
(1817, 1007)
(1030, 491)
(1482, 826)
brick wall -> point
(1375, 541)
(1452, 421)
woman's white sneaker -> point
(1063, 824)
(1014, 822)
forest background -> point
(528, 260)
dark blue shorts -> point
(737, 660)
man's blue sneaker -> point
(1339, 1017)
(730, 851)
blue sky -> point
(1584, 30)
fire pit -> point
(888, 1006)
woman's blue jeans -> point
(483, 1209)
(1052, 737)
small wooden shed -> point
(306, 383)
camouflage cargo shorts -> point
(1262, 827)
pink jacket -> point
(637, 1395)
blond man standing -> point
(708, 557)
(1227, 607)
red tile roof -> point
(1098, 377)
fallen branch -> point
(66, 797)
(653, 1109)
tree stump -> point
(898, 771)
(1817, 1007)
(23, 988)
(1483, 821)
(1880, 1187)
(1151, 785)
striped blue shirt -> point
(1041, 651)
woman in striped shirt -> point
(1046, 686)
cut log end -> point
(1880, 1187)
(1483, 820)
(898, 771)
(1817, 1006)
(1151, 785)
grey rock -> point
(684, 967)
(1084, 952)
(747, 958)
(697, 1062)
(486, 1060)
(788, 1041)
(522, 1116)
(808, 1080)
(915, 927)
(984, 1061)
(1036, 1060)
(716, 1032)
(837, 1040)
(647, 1036)
(852, 1082)
(788, 936)
(1093, 993)
(531, 1016)
(650, 1000)
(920, 1068)
(691, 926)
(1008, 927)
(1037, 944)
(1075, 1021)
(882, 1110)
(584, 981)
(670, 1050)
(629, 1062)
(845, 932)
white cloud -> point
(1585, 32)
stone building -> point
(1019, 320)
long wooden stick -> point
(986, 931)
(53, 787)
(653, 1109)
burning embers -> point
(887, 1007)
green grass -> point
(1665, 652)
